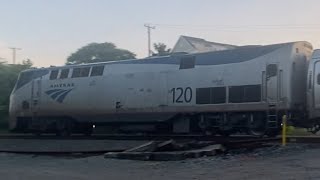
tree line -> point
(102, 52)
(8, 76)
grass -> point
(294, 131)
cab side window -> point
(85, 72)
(318, 79)
(54, 74)
(64, 73)
(28, 76)
(76, 72)
(80, 72)
(24, 78)
(187, 62)
(97, 71)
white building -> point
(195, 45)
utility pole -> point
(149, 27)
(14, 51)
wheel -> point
(64, 128)
(88, 130)
(207, 133)
(257, 127)
(63, 133)
(164, 128)
(225, 133)
(37, 133)
(205, 127)
(272, 133)
(314, 129)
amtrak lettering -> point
(62, 85)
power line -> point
(14, 52)
(149, 27)
(243, 27)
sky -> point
(48, 31)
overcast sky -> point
(48, 31)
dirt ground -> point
(291, 162)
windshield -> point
(28, 76)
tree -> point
(2, 60)
(27, 63)
(161, 49)
(8, 77)
(99, 52)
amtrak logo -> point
(58, 94)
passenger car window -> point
(318, 79)
(97, 71)
(64, 73)
(54, 74)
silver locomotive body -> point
(313, 86)
(248, 88)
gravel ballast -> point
(292, 162)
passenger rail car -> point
(246, 89)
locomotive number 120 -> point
(181, 95)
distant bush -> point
(297, 131)
(8, 77)
(3, 120)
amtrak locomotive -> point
(247, 89)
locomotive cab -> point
(245, 90)
(23, 99)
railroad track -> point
(27, 143)
(129, 137)
(49, 144)
(218, 139)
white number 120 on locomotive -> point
(247, 89)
